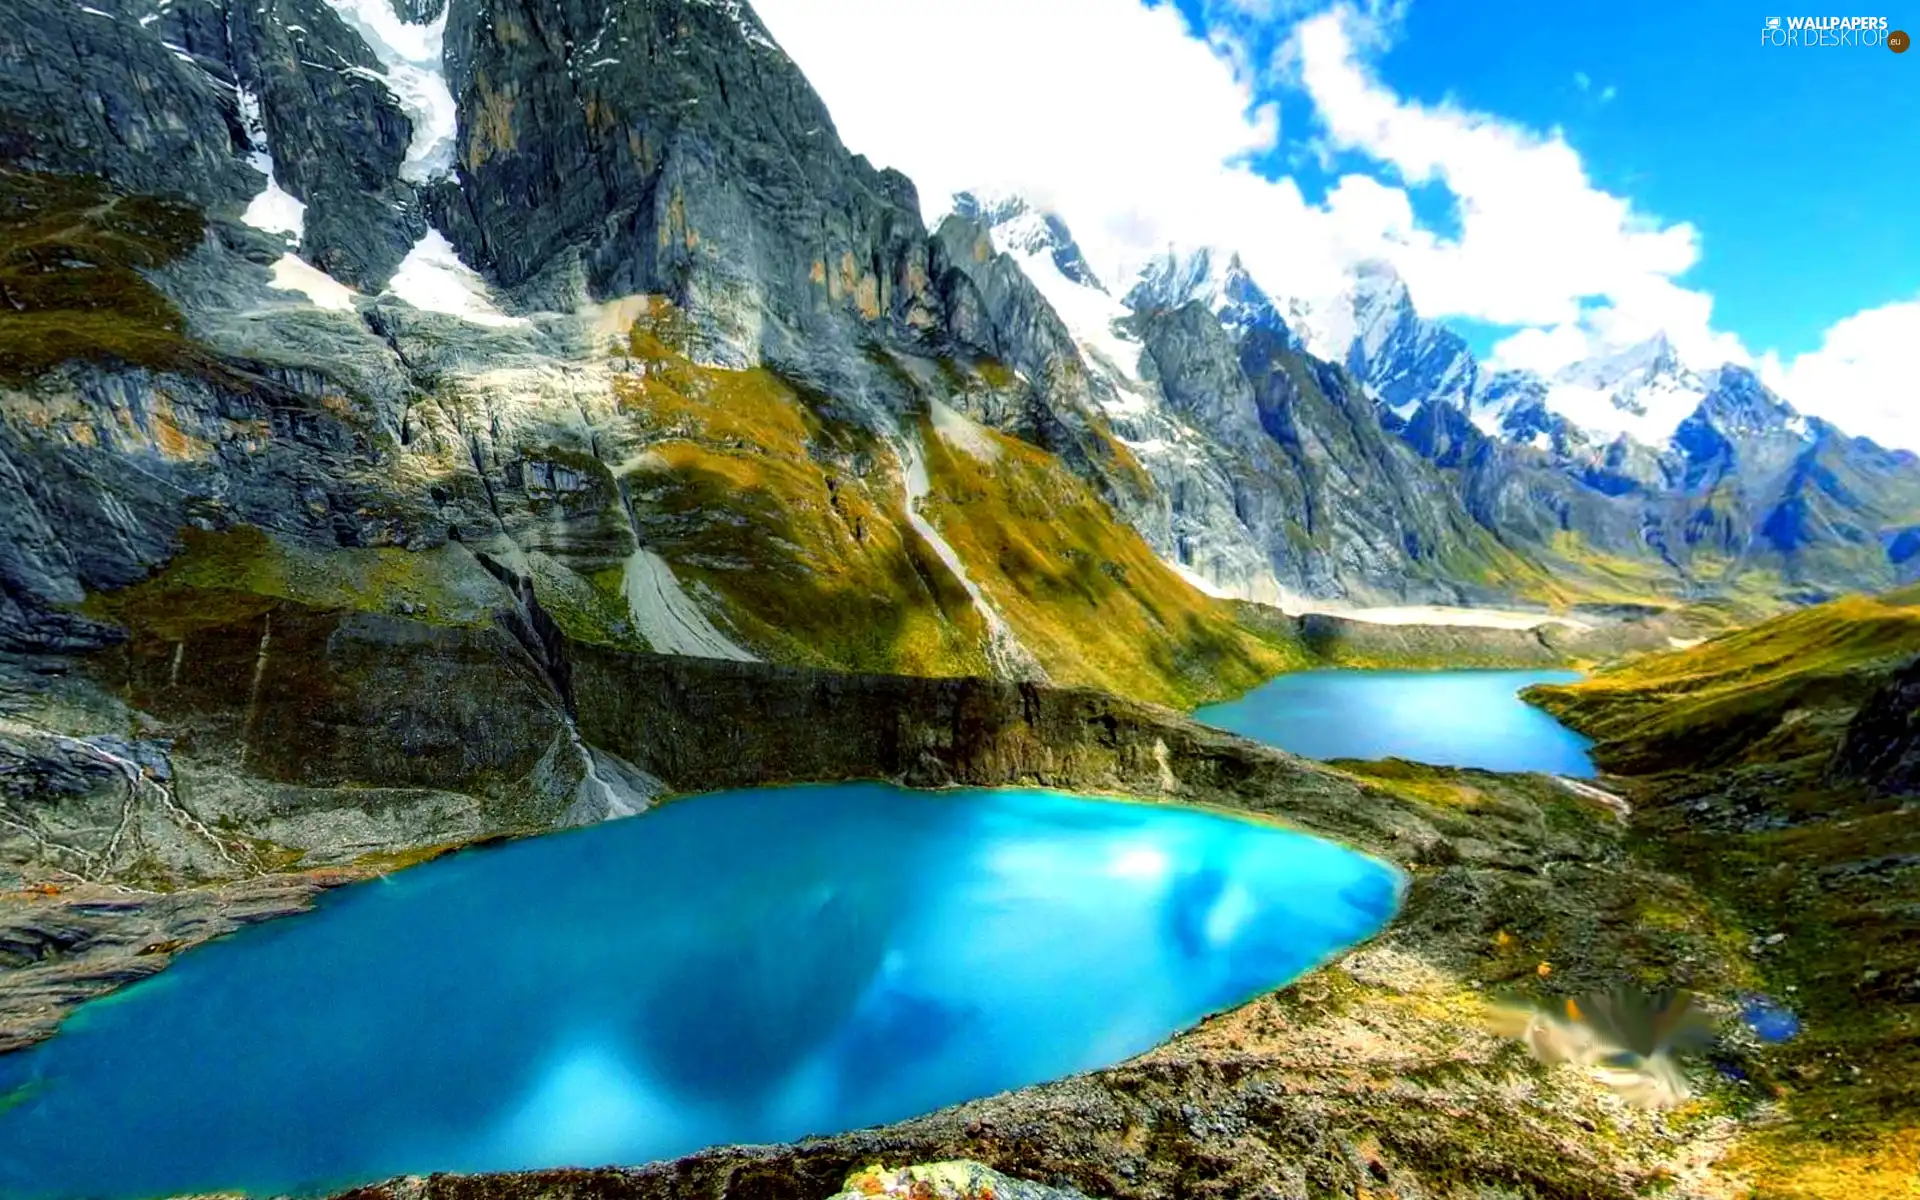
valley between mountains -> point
(430, 423)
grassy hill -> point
(1726, 751)
(1757, 694)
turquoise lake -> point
(1449, 718)
(741, 967)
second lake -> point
(1468, 718)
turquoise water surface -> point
(742, 967)
(1451, 718)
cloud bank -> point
(1141, 135)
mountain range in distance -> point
(601, 299)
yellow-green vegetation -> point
(1411, 1015)
(386, 862)
(586, 610)
(1730, 741)
(1079, 588)
(71, 252)
(791, 520)
(1581, 572)
(1753, 694)
(1834, 886)
(1433, 787)
(218, 578)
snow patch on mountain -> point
(416, 74)
(1047, 254)
(291, 273)
(273, 210)
(744, 21)
(433, 279)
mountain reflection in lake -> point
(749, 966)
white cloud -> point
(1138, 134)
(1861, 378)
(1543, 350)
(1133, 129)
(1538, 242)
(1107, 111)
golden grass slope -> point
(1743, 696)
(1724, 751)
(792, 524)
(1082, 590)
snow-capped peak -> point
(1214, 277)
(1049, 257)
(1640, 361)
(1402, 359)
(1643, 391)
(1378, 302)
(1020, 229)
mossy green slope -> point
(1082, 590)
(1724, 750)
(71, 253)
(1752, 694)
(787, 520)
(793, 524)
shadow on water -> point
(748, 966)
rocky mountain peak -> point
(1737, 403)
(1378, 298)
(1513, 405)
(1401, 358)
(1018, 227)
(1739, 427)
(1216, 278)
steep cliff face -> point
(671, 148)
(666, 347)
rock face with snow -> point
(1400, 357)
(1215, 279)
(1274, 475)
(1635, 453)
(1277, 473)
(443, 217)
(591, 292)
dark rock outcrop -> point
(1881, 747)
(672, 148)
(336, 134)
(101, 95)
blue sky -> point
(1797, 165)
(1556, 180)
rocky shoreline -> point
(190, 779)
(1374, 1076)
